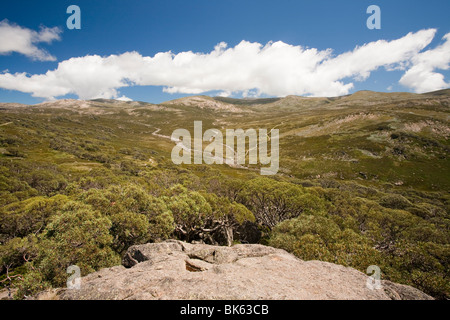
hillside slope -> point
(364, 180)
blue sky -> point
(114, 27)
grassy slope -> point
(383, 139)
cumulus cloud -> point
(249, 69)
(422, 77)
(14, 38)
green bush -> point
(312, 237)
(30, 216)
(272, 201)
(77, 236)
(128, 229)
(395, 201)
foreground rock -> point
(178, 270)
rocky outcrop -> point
(178, 270)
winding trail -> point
(231, 161)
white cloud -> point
(421, 77)
(124, 98)
(224, 94)
(14, 38)
(250, 69)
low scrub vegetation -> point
(79, 189)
